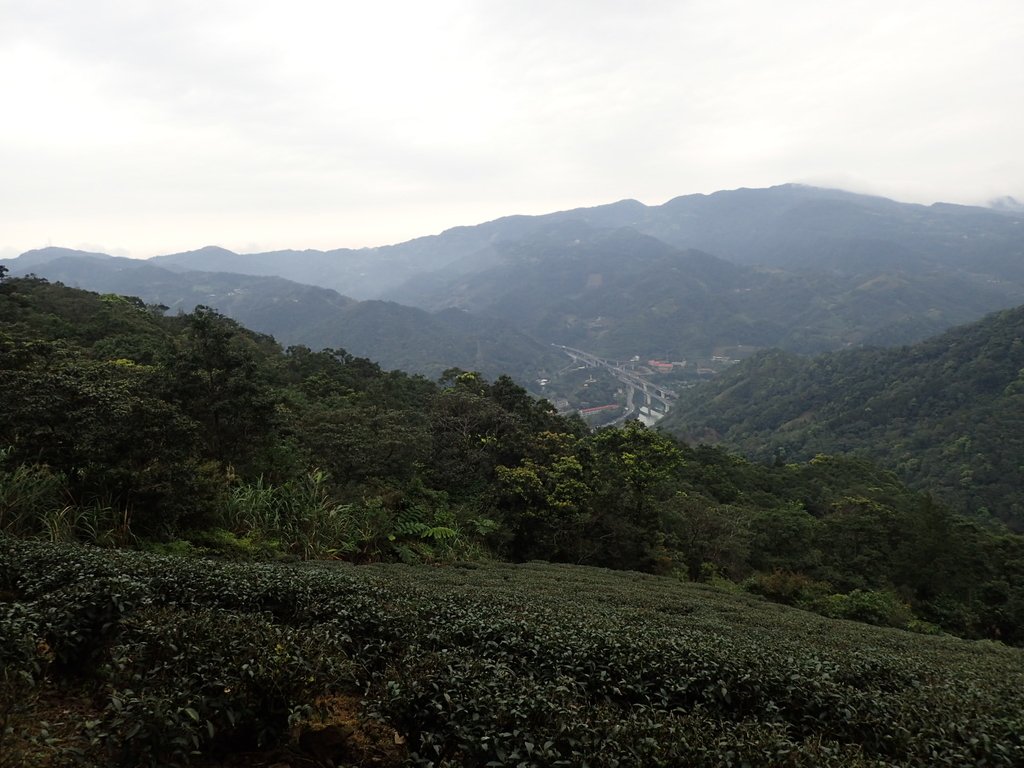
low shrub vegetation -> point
(180, 661)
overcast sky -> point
(138, 127)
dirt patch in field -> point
(338, 736)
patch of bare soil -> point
(339, 736)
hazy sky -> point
(139, 127)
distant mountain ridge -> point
(37, 256)
(801, 268)
(791, 226)
(394, 336)
(620, 293)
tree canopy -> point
(120, 425)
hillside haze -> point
(818, 270)
(621, 293)
(395, 336)
(791, 226)
(804, 269)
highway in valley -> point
(657, 400)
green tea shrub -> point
(21, 662)
(193, 661)
(870, 606)
(787, 587)
(81, 619)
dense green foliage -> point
(946, 414)
(531, 665)
(125, 427)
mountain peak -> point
(206, 250)
(52, 253)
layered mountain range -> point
(804, 269)
(798, 270)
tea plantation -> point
(126, 658)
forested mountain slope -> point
(796, 226)
(804, 269)
(946, 414)
(395, 336)
(366, 273)
(621, 293)
(125, 427)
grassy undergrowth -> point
(122, 658)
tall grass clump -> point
(315, 525)
(299, 515)
(35, 501)
(106, 523)
(29, 494)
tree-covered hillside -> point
(620, 293)
(124, 427)
(804, 269)
(795, 226)
(947, 414)
(395, 336)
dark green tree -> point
(218, 377)
(633, 472)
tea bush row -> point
(531, 665)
